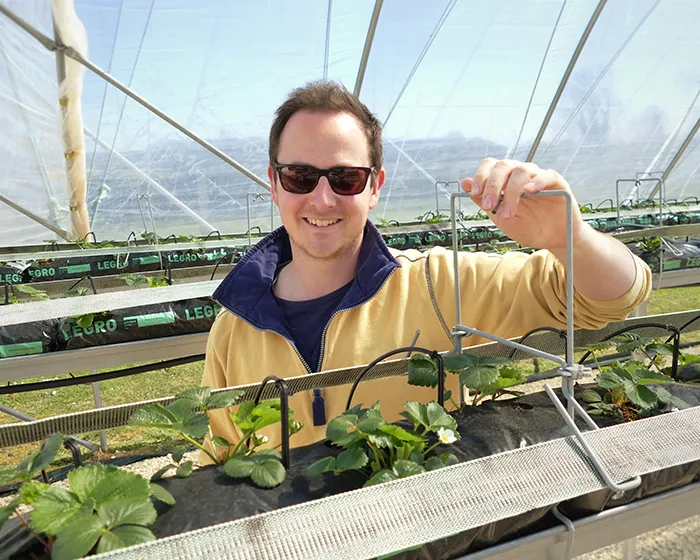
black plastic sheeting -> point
(491, 428)
(109, 327)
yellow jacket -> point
(394, 294)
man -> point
(324, 292)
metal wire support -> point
(284, 410)
(570, 532)
(446, 186)
(433, 354)
(592, 455)
(147, 198)
(569, 268)
(570, 372)
(637, 183)
(258, 196)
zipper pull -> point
(318, 407)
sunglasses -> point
(302, 179)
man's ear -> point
(273, 184)
(377, 184)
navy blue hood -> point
(247, 289)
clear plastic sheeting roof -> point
(453, 81)
(32, 169)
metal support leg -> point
(629, 549)
(98, 404)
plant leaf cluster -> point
(187, 416)
(104, 509)
(383, 451)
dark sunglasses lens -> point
(348, 180)
(298, 179)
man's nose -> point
(323, 196)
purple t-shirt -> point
(307, 319)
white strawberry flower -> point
(446, 436)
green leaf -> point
(407, 468)
(640, 395)
(160, 493)
(77, 538)
(402, 435)
(184, 470)
(179, 453)
(351, 459)
(240, 466)
(661, 349)
(448, 395)
(84, 480)
(196, 398)
(448, 459)
(455, 363)
(260, 453)
(433, 463)
(478, 377)
(422, 371)
(47, 454)
(382, 476)
(221, 442)
(7, 511)
(370, 423)
(159, 474)
(32, 490)
(512, 373)
(342, 430)
(609, 380)
(267, 413)
(118, 485)
(629, 342)
(53, 510)
(153, 415)
(224, 399)
(317, 468)
(438, 418)
(127, 512)
(590, 396)
(667, 398)
(8, 475)
(268, 474)
(416, 412)
(648, 377)
(85, 321)
(124, 536)
(175, 417)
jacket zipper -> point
(328, 324)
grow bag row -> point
(109, 327)
(67, 268)
(489, 429)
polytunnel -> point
(141, 254)
(599, 91)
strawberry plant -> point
(632, 392)
(104, 509)
(483, 376)
(187, 416)
(384, 452)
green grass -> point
(163, 383)
(670, 300)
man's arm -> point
(604, 269)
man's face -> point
(323, 224)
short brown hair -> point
(330, 97)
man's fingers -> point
(468, 184)
(482, 174)
(519, 177)
(495, 184)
